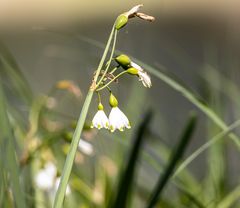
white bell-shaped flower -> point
(118, 120)
(100, 119)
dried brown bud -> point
(145, 16)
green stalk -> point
(106, 85)
(110, 59)
(58, 201)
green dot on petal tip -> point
(111, 128)
(121, 21)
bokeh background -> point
(194, 42)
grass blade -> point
(10, 153)
(205, 146)
(126, 178)
(230, 199)
(14, 75)
(175, 157)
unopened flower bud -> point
(100, 106)
(113, 101)
(121, 21)
(132, 71)
(123, 60)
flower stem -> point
(58, 201)
(106, 85)
(99, 97)
(110, 59)
(113, 70)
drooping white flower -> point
(145, 79)
(45, 177)
(118, 120)
(85, 147)
(134, 69)
(143, 76)
(100, 119)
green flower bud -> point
(113, 101)
(100, 106)
(123, 60)
(121, 21)
(132, 71)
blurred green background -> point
(194, 43)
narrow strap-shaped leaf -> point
(175, 157)
(10, 164)
(18, 82)
(127, 175)
(230, 199)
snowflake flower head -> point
(117, 119)
(100, 119)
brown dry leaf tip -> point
(145, 16)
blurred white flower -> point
(118, 120)
(45, 177)
(143, 76)
(85, 147)
(46, 180)
(100, 119)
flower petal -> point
(145, 79)
(118, 120)
(100, 120)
